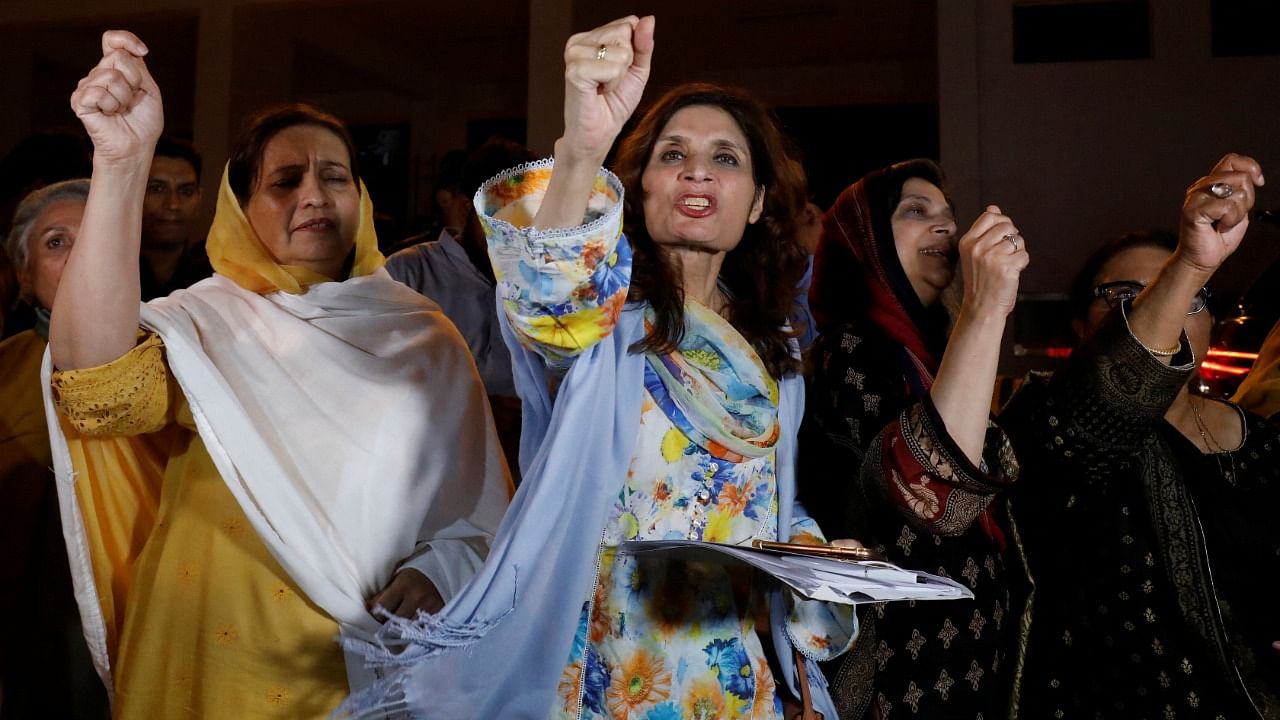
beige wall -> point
(1077, 152)
(1080, 152)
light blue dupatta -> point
(498, 649)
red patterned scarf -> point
(857, 273)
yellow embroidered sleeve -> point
(130, 395)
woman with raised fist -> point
(1150, 528)
(255, 464)
(898, 447)
(647, 316)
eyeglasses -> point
(1114, 293)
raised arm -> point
(604, 76)
(95, 316)
(1101, 406)
(554, 228)
(1215, 216)
(992, 258)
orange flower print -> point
(612, 308)
(806, 538)
(733, 499)
(642, 682)
(520, 185)
(763, 701)
(601, 623)
(593, 251)
(570, 688)
(704, 701)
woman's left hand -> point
(408, 592)
(993, 255)
(1214, 225)
(846, 543)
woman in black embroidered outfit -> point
(1150, 530)
(897, 448)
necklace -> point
(1213, 446)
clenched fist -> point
(118, 101)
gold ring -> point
(602, 51)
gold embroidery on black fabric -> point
(1173, 517)
(854, 683)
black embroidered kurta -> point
(1127, 621)
(878, 465)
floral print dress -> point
(662, 638)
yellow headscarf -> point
(236, 252)
(1260, 392)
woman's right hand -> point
(600, 93)
(118, 101)
(993, 255)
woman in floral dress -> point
(647, 318)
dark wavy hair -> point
(246, 153)
(762, 272)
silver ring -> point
(1013, 240)
(602, 52)
(1221, 190)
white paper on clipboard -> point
(841, 581)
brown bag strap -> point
(806, 696)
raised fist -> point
(993, 255)
(604, 76)
(118, 101)
(1215, 212)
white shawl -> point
(348, 422)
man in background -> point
(173, 254)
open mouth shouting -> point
(696, 205)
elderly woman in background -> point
(252, 465)
(898, 448)
(661, 401)
(44, 668)
(1151, 529)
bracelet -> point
(1159, 352)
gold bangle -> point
(1160, 352)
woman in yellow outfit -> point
(250, 467)
(44, 668)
